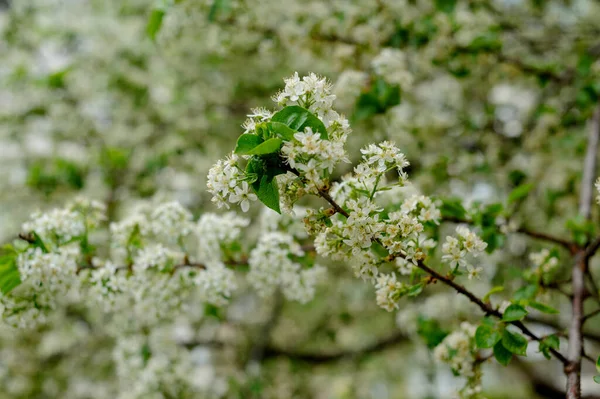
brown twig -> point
(575, 350)
(531, 233)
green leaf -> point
(515, 343)
(9, 273)
(453, 208)
(430, 331)
(525, 294)
(548, 342)
(217, 7)
(598, 364)
(502, 355)
(38, 242)
(282, 130)
(543, 308)
(445, 6)
(493, 291)
(379, 97)
(299, 118)
(267, 191)
(581, 229)
(486, 336)
(268, 147)
(597, 379)
(519, 192)
(155, 22)
(514, 312)
(415, 289)
(246, 143)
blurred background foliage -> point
(128, 100)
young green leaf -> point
(246, 143)
(519, 192)
(155, 22)
(299, 118)
(268, 192)
(547, 343)
(415, 289)
(515, 343)
(486, 337)
(598, 364)
(543, 308)
(492, 292)
(281, 130)
(502, 355)
(268, 147)
(514, 312)
(9, 274)
(39, 243)
(526, 293)
(431, 332)
(597, 379)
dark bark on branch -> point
(328, 357)
(575, 351)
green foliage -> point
(281, 130)
(525, 294)
(487, 336)
(581, 229)
(486, 219)
(514, 313)
(246, 143)
(446, 6)
(377, 100)
(270, 146)
(49, 175)
(264, 183)
(547, 343)
(9, 272)
(452, 208)
(543, 308)
(502, 355)
(298, 119)
(491, 292)
(514, 342)
(519, 193)
(155, 22)
(431, 332)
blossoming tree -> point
(452, 232)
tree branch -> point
(324, 357)
(524, 230)
(575, 351)
(450, 282)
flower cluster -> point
(391, 64)
(388, 291)
(459, 350)
(544, 261)
(456, 248)
(228, 183)
(307, 134)
(276, 262)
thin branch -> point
(575, 350)
(450, 282)
(531, 233)
(590, 315)
(592, 247)
(259, 349)
(327, 357)
(589, 167)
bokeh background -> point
(130, 101)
